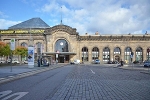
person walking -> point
(121, 62)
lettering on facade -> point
(20, 31)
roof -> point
(31, 23)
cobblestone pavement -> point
(103, 83)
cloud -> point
(112, 17)
(7, 23)
(90, 16)
(2, 15)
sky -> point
(87, 16)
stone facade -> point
(77, 42)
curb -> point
(133, 69)
(26, 74)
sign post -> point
(131, 59)
(12, 47)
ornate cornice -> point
(63, 28)
(114, 38)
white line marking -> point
(92, 71)
(17, 96)
(2, 78)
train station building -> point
(64, 43)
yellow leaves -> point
(20, 50)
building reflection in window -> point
(139, 54)
(95, 53)
(61, 46)
(106, 54)
(128, 54)
(84, 54)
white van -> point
(76, 61)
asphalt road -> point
(36, 87)
(80, 82)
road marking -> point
(2, 78)
(14, 96)
(92, 71)
(4, 93)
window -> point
(84, 54)
(128, 54)
(117, 50)
(24, 44)
(106, 54)
(61, 45)
(95, 53)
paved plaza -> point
(92, 82)
(104, 83)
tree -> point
(4, 49)
(22, 51)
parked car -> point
(115, 62)
(75, 62)
(15, 62)
(2, 61)
(109, 62)
(25, 61)
(8, 60)
(136, 62)
(96, 61)
(45, 62)
(146, 63)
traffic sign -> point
(12, 44)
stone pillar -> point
(111, 54)
(90, 55)
(122, 53)
(101, 55)
(134, 56)
(17, 42)
(144, 54)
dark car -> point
(45, 63)
(146, 63)
(109, 62)
(115, 62)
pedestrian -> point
(121, 62)
(38, 62)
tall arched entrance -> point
(117, 54)
(62, 52)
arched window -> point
(139, 54)
(106, 54)
(128, 51)
(24, 44)
(117, 50)
(84, 54)
(95, 53)
(117, 53)
(39, 48)
(61, 45)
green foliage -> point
(4, 49)
(23, 51)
